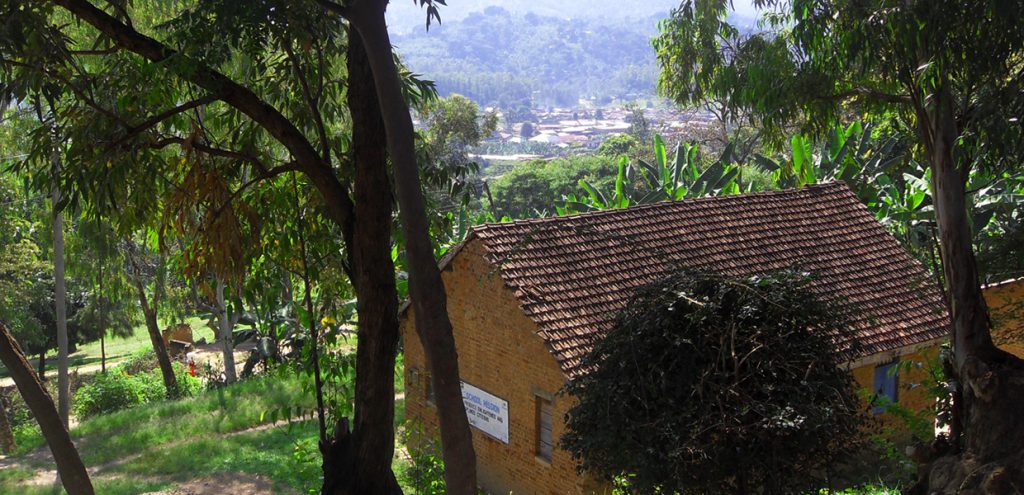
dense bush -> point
(716, 384)
(140, 361)
(119, 389)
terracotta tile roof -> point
(572, 274)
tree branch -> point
(160, 117)
(241, 98)
(210, 150)
(311, 102)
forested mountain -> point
(503, 58)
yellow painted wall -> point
(909, 395)
(1006, 308)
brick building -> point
(528, 299)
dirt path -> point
(82, 369)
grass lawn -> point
(117, 348)
(153, 446)
(225, 431)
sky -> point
(405, 15)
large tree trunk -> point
(60, 311)
(7, 444)
(992, 381)
(226, 334)
(426, 288)
(69, 465)
(368, 456)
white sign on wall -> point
(486, 412)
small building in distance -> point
(528, 299)
(1005, 302)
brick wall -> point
(500, 353)
(1006, 308)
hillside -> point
(502, 58)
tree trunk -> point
(42, 366)
(69, 465)
(159, 348)
(371, 448)
(7, 444)
(992, 381)
(226, 334)
(426, 288)
(60, 310)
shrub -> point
(118, 389)
(109, 392)
(140, 361)
(716, 384)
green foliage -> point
(924, 71)
(114, 391)
(618, 145)
(531, 188)
(127, 385)
(734, 379)
(425, 473)
(643, 182)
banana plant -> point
(644, 182)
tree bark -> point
(426, 288)
(226, 334)
(7, 444)
(60, 310)
(42, 365)
(971, 336)
(153, 327)
(69, 465)
(992, 381)
(371, 448)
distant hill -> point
(506, 59)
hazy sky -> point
(404, 15)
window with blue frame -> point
(886, 385)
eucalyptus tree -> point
(950, 72)
(269, 79)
